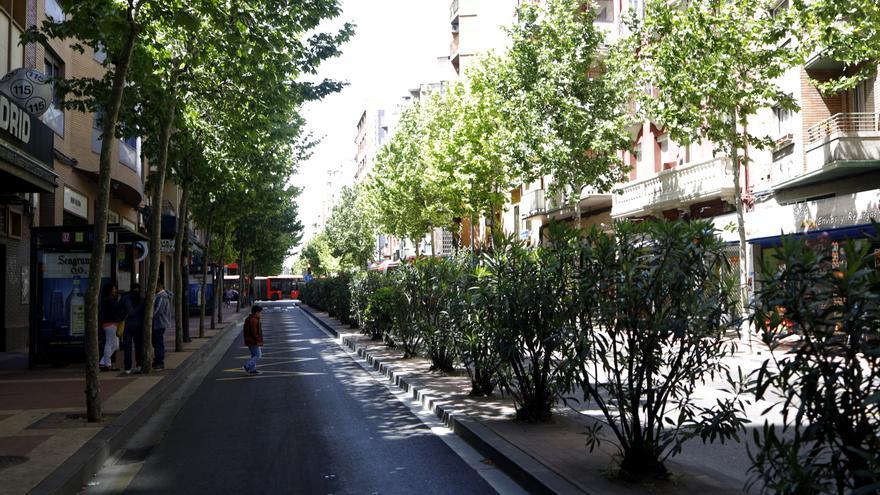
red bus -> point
(278, 287)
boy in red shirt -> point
(253, 339)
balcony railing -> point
(843, 123)
(533, 203)
(687, 184)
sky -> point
(395, 47)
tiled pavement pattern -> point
(42, 410)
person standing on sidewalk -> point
(134, 329)
(111, 314)
(162, 319)
(253, 339)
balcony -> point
(533, 204)
(843, 145)
(691, 183)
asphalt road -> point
(313, 422)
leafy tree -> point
(713, 64)
(568, 117)
(319, 256)
(828, 388)
(845, 30)
(350, 229)
(409, 193)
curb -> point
(78, 469)
(531, 475)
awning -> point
(21, 173)
(838, 234)
(125, 234)
(832, 171)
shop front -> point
(26, 161)
(60, 262)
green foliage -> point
(844, 30)
(709, 61)
(650, 323)
(331, 295)
(435, 280)
(350, 230)
(362, 285)
(530, 299)
(473, 320)
(408, 191)
(318, 256)
(382, 308)
(405, 332)
(553, 75)
(828, 387)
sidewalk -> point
(543, 458)
(42, 411)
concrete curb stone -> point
(75, 472)
(531, 474)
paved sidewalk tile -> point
(42, 410)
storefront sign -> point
(76, 203)
(167, 246)
(65, 281)
(25, 131)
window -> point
(12, 16)
(54, 116)
(100, 54)
(96, 132)
(604, 11)
(783, 118)
(14, 224)
(858, 98)
(54, 11)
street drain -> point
(8, 461)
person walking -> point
(162, 319)
(253, 339)
(134, 329)
(110, 315)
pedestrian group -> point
(124, 319)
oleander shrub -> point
(828, 388)
(331, 295)
(473, 321)
(653, 302)
(435, 282)
(361, 286)
(382, 308)
(405, 333)
(531, 305)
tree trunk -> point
(240, 280)
(179, 285)
(158, 181)
(108, 139)
(222, 262)
(740, 222)
(186, 254)
(204, 287)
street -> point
(313, 422)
